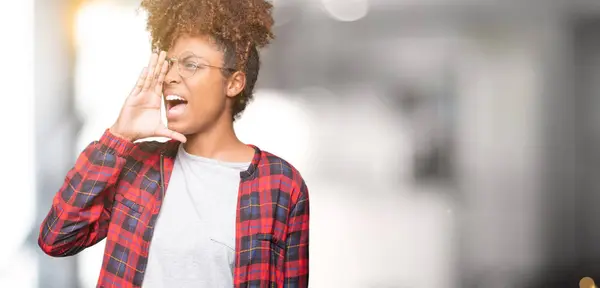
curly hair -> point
(239, 27)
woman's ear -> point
(235, 84)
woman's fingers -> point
(165, 132)
(159, 67)
(161, 78)
(151, 72)
(140, 82)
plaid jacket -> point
(115, 191)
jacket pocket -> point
(270, 238)
(129, 203)
(127, 215)
(267, 249)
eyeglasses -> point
(188, 63)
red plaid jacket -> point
(115, 191)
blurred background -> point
(445, 143)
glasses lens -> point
(187, 64)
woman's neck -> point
(219, 142)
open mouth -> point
(175, 104)
(174, 100)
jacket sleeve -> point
(296, 255)
(80, 210)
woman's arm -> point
(296, 255)
(81, 209)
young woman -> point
(201, 210)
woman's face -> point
(195, 91)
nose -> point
(172, 76)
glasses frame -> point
(175, 60)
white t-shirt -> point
(194, 240)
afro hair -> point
(239, 27)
